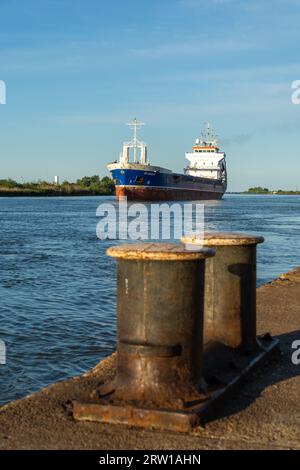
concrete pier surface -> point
(264, 413)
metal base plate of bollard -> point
(225, 371)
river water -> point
(57, 286)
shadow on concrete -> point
(274, 371)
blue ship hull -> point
(155, 184)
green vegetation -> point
(260, 190)
(104, 186)
(87, 186)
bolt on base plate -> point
(227, 370)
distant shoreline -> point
(279, 192)
(24, 193)
(270, 193)
(94, 186)
(86, 186)
(81, 193)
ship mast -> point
(135, 125)
(208, 135)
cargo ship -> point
(204, 177)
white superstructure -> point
(206, 160)
(138, 150)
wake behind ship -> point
(204, 178)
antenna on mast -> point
(208, 134)
(135, 125)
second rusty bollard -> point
(230, 288)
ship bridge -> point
(205, 159)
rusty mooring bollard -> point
(160, 323)
(230, 288)
(160, 291)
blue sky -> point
(77, 70)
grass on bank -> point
(260, 190)
(86, 186)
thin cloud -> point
(198, 3)
(198, 48)
(58, 55)
(264, 72)
(246, 4)
(87, 119)
(186, 112)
